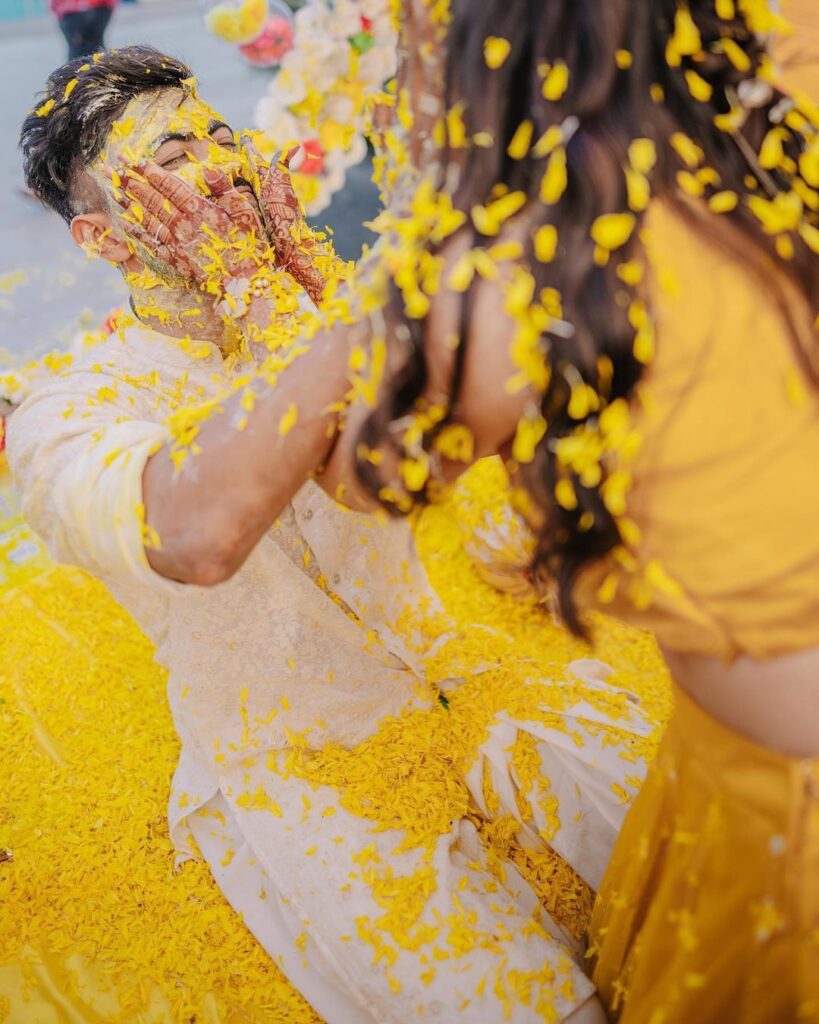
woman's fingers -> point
(284, 158)
(218, 183)
(178, 192)
(183, 228)
(156, 229)
(254, 157)
(279, 197)
(147, 238)
(241, 212)
(152, 201)
(172, 200)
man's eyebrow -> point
(160, 140)
(214, 126)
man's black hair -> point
(60, 139)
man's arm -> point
(78, 462)
(210, 514)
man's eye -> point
(173, 161)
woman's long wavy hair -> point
(615, 101)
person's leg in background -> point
(100, 16)
(84, 31)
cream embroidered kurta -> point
(304, 640)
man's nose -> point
(199, 149)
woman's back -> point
(725, 492)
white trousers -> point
(371, 933)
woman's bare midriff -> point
(774, 703)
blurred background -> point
(48, 289)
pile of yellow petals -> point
(97, 924)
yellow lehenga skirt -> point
(709, 911)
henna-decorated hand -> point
(209, 240)
(286, 228)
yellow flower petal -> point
(690, 184)
(556, 178)
(809, 164)
(623, 59)
(642, 155)
(461, 275)
(456, 130)
(735, 54)
(811, 236)
(686, 40)
(546, 243)
(548, 142)
(688, 151)
(613, 230)
(495, 51)
(723, 202)
(698, 87)
(638, 189)
(521, 141)
(565, 494)
(288, 420)
(556, 82)
(529, 434)
(456, 443)
(631, 273)
(415, 472)
(780, 214)
(772, 152)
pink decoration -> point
(268, 48)
(313, 162)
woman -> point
(655, 164)
(609, 276)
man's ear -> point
(95, 233)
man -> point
(83, 23)
(301, 649)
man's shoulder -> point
(99, 370)
(126, 344)
(133, 353)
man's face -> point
(176, 130)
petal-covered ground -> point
(96, 924)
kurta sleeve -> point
(77, 449)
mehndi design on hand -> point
(209, 240)
(289, 234)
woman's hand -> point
(287, 229)
(218, 242)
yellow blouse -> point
(726, 485)
(797, 55)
